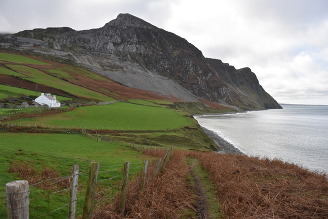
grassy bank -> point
(261, 188)
(8, 91)
(37, 157)
(117, 116)
(227, 186)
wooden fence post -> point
(89, 196)
(144, 175)
(158, 168)
(124, 187)
(75, 179)
(18, 199)
(166, 159)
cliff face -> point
(138, 54)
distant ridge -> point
(140, 55)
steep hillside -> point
(137, 54)
(21, 75)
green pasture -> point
(51, 75)
(11, 111)
(59, 152)
(7, 71)
(116, 116)
(59, 74)
(72, 146)
(60, 71)
(8, 91)
(7, 57)
(184, 138)
(38, 76)
(158, 103)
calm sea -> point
(296, 134)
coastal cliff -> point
(138, 54)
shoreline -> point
(225, 147)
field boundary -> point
(103, 181)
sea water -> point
(297, 133)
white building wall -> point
(44, 100)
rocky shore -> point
(225, 147)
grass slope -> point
(8, 57)
(250, 187)
(72, 146)
(7, 71)
(51, 74)
(40, 77)
(38, 154)
(8, 91)
(116, 116)
(187, 138)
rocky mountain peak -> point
(137, 54)
(128, 20)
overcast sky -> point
(285, 42)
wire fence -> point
(52, 197)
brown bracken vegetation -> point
(247, 187)
(165, 196)
(41, 177)
(262, 188)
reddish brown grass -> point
(262, 188)
(21, 83)
(154, 153)
(213, 104)
(118, 91)
(28, 172)
(167, 196)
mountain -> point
(137, 54)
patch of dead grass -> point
(167, 196)
(262, 188)
(27, 171)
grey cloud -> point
(293, 12)
(21, 14)
(30, 14)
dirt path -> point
(206, 204)
(202, 209)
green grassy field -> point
(180, 139)
(10, 111)
(158, 103)
(53, 75)
(38, 76)
(8, 91)
(116, 116)
(7, 57)
(72, 146)
(6, 71)
(58, 152)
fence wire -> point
(57, 209)
(52, 179)
(109, 181)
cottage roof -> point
(47, 95)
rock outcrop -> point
(138, 54)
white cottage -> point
(47, 99)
